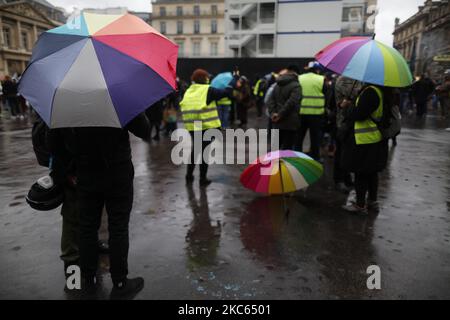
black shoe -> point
(373, 206)
(354, 208)
(341, 187)
(103, 247)
(88, 289)
(127, 289)
(205, 182)
(189, 179)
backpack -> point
(390, 125)
(39, 135)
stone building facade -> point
(197, 26)
(21, 23)
(423, 39)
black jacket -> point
(218, 94)
(368, 158)
(215, 94)
(285, 101)
(422, 89)
(94, 148)
(9, 89)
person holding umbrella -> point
(199, 112)
(130, 66)
(105, 175)
(365, 152)
(221, 81)
(365, 131)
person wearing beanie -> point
(199, 113)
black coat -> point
(94, 148)
(285, 101)
(155, 112)
(10, 89)
(368, 158)
(422, 89)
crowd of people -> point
(94, 170)
(425, 91)
(346, 119)
(12, 105)
(347, 111)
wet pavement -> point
(226, 242)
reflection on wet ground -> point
(226, 242)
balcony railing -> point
(187, 14)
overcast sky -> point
(388, 11)
(135, 5)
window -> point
(214, 10)
(179, 11)
(7, 37)
(267, 13)
(196, 49)
(179, 27)
(352, 14)
(196, 10)
(40, 31)
(196, 27)
(162, 11)
(180, 48)
(266, 43)
(214, 49)
(214, 26)
(162, 27)
(24, 40)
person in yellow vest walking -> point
(199, 113)
(365, 151)
(224, 107)
(312, 109)
(259, 91)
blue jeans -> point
(224, 115)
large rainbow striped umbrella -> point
(367, 60)
(281, 172)
(99, 71)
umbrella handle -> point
(281, 176)
(285, 208)
(353, 88)
(287, 211)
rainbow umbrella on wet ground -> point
(281, 172)
(99, 71)
(367, 60)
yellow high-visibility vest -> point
(224, 102)
(256, 91)
(196, 114)
(367, 132)
(313, 99)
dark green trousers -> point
(71, 227)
